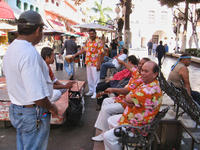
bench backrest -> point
(180, 97)
(131, 136)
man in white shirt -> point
(112, 63)
(29, 85)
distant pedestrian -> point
(120, 44)
(166, 48)
(160, 52)
(154, 48)
(113, 46)
(150, 46)
(29, 85)
(71, 48)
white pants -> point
(93, 77)
(108, 109)
(110, 140)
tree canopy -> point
(171, 3)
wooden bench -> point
(62, 103)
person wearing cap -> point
(179, 76)
(29, 85)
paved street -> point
(64, 137)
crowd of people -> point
(32, 85)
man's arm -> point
(59, 85)
(78, 53)
(185, 76)
(128, 66)
(123, 91)
(45, 103)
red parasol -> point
(81, 34)
(6, 11)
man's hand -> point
(53, 110)
(69, 85)
(98, 66)
(128, 100)
(109, 90)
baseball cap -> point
(30, 18)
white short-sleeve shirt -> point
(27, 75)
(120, 57)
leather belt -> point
(29, 106)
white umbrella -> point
(86, 27)
(5, 26)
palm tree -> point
(103, 17)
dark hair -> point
(156, 68)
(161, 42)
(72, 37)
(146, 59)
(125, 51)
(133, 59)
(46, 52)
(92, 30)
(28, 29)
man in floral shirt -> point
(143, 103)
(94, 51)
(116, 105)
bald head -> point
(149, 71)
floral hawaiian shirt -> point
(147, 99)
(93, 50)
(134, 82)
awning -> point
(57, 25)
(6, 11)
(2, 33)
(7, 27)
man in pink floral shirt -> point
(94, 51)
(143, 103)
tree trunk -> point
(183, 46)
(127, 24)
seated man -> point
(179, 76)
(112, 63)
(59, 88)
(143, 103)
(118, 78)
(116, 105)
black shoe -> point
(72, 77)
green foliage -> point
(172, 3)
(103, 16)
(193, 52)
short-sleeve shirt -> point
(27, 74)
(93, 50)
(147, 100)
(133, 83)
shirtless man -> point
(179, 76)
